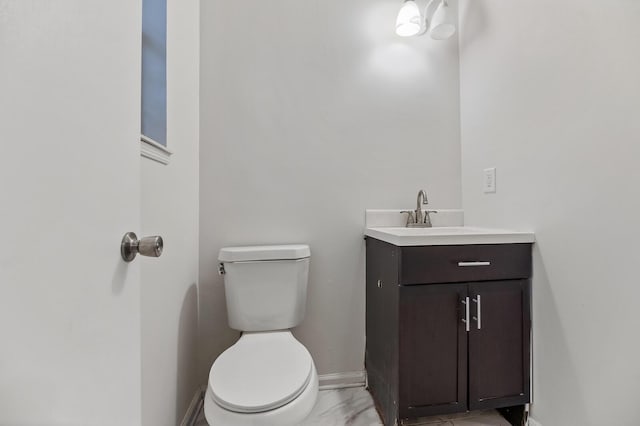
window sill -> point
(154, 151)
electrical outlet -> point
(489, 181)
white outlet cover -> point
(489, 180)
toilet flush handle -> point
(147, 246)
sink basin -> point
(445, 230)
(450, 235)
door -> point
(69, 190)
(499, 344)
(433, 349)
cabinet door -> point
(433, 350)
(499, 343)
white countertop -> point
(448, 235)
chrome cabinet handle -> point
(465, 302)
(467, 264)
(478, 319)
(147, 246)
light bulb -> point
(409, 22)
(442, 26)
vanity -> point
(448, 319)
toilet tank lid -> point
(254, 253)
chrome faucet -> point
(419, 218)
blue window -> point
(154, 70)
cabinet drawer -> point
(448, 264)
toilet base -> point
(291, 414)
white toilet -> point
(267, 378)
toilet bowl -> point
(267, 378)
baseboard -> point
(191, 415)
(533, 422)
(350, 379)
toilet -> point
(267, 378)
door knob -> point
(147, 246)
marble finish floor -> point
(354, 407)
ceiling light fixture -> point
(442, 24)
(411, 22)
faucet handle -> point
(410, 218)
(427, 218)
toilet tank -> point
(265, 286)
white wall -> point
(170, 208)
(550, 96)
(311, 112)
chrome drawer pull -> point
(478, 319)
(465, 264)
(466, 321)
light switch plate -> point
(489, 180)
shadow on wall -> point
(472, 28)
(119, 277)
(186, 382)
(551, 356)
(213, 317)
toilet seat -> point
(261, 372)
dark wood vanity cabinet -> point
(422, 356)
